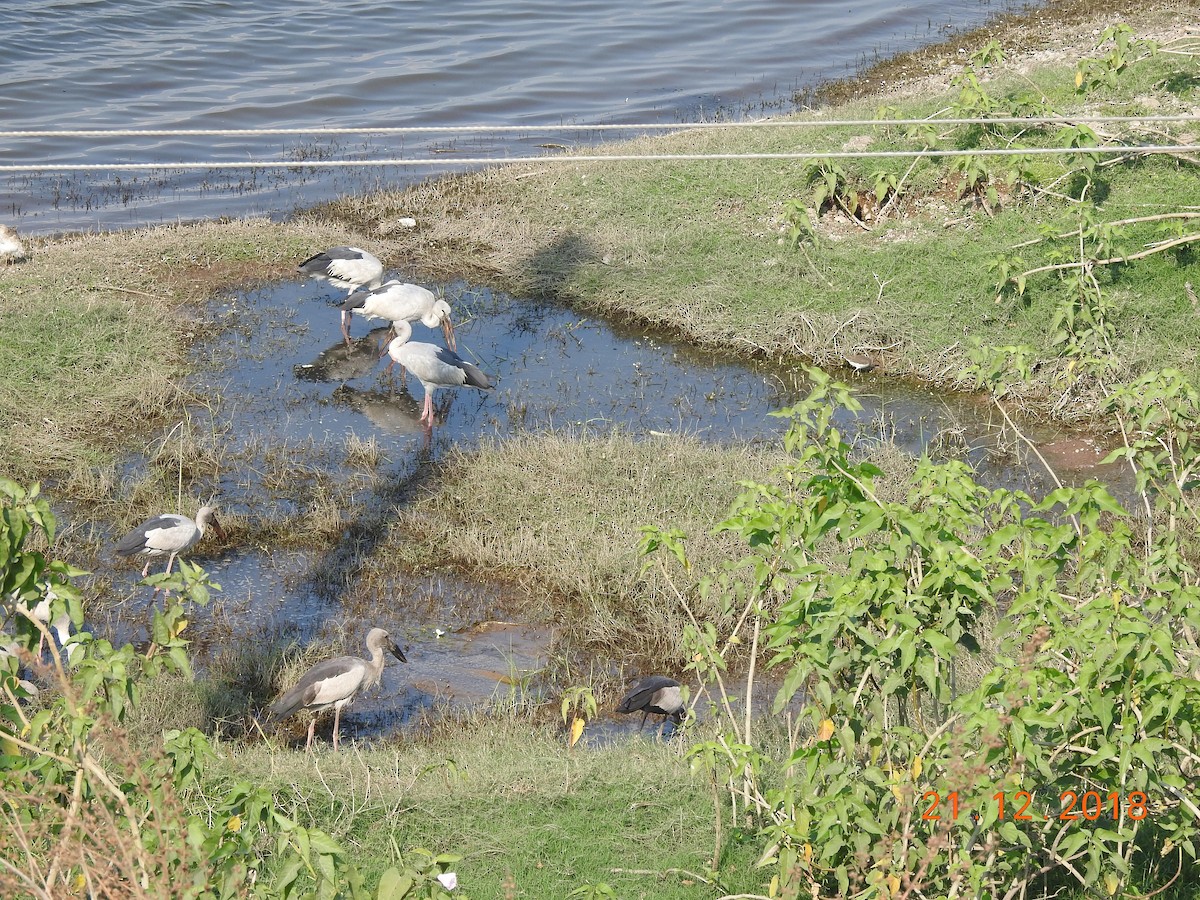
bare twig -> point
(1174, 878)
(1157, 248)
(879, 217)
(661, 872)
(113, 287)
(1136, 220)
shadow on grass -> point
(548, 270)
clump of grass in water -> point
(579, 504)
(362, 453)
(572, 530)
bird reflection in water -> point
(342, 362)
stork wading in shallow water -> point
(655, 694)
(433, 366)
(349, 268)
(398, 302)
(336, 682)
(168, 534)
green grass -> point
(518, 805)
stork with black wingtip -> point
(434, 367)
(336, 682)
(349, 268)
(399, 302)
(655, 694)
(169, 535)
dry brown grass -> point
(560, 514)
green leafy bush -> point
(933, 751)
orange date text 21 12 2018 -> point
(1020, 806)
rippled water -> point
(138, 64)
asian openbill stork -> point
(399, 302)
(168, 534)
(655, 694)
(336, 682)
(435, 367)
(349, 268)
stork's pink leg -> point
(337, 721)
(312, 727)
(170, 563)
(346, 317)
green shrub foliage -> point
(995, 691)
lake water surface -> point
(69, 65)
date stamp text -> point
(1020, 806)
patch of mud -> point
(1080, 454)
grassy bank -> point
(94, 329)
(529, 817)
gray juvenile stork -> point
(349, 268)
(655, 694)
(168, 535)
(395, 302)
(336, 682)
(434, 367)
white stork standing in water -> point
(398, 302)
(336, 682)
(168, 534)
(434, 367)
(349, 268)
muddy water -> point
(288, 394)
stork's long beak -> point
(448, 331)
(216, 526)
(398, 653)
